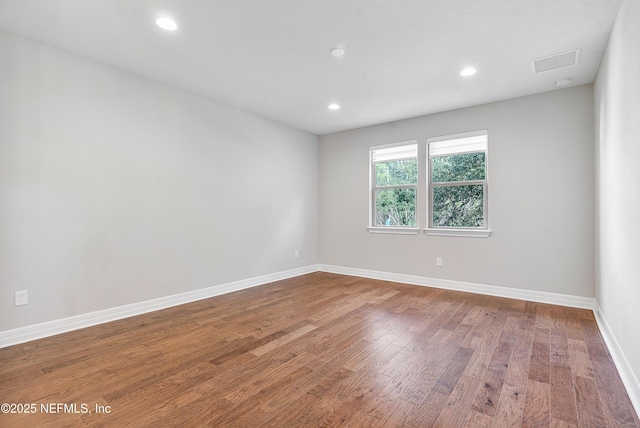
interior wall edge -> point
(629, 379)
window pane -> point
(464, 167)
(397, 173)
(396, 207)
(458, 206)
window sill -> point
(394, 230)
(466, 233)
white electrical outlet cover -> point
(21, 298)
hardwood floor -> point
(325, 350)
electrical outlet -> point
(439, 261)
(22, 298)
(295, 254)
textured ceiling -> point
(271, 57)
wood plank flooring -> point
(324, 350)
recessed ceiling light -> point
(563, 82)
(166, 23)
(334, 106)
(336, 52)
(469, 71)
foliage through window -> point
(458, 181)
(394, 177)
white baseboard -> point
(491, 290)
(629, 379)
(63, 325)
(51, 328)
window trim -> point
(484, 231)
(403, 230)
(394, 230)
(458, 231)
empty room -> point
(287, 213)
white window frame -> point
(373, 228)
(473, 145)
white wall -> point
(541, 190)
(116, 189)
(617, 117)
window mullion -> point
(457, 183)
(397, 186)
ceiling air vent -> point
(552, 62)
